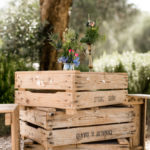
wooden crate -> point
(88, 99)
(54, 128)
(70, 89)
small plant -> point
(69, 47)
(91, 34)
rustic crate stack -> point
(70, 110)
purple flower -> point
(62, 59)
(76, 61)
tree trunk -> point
(54, 17)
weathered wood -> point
(56, 100)
(70, 100)
(77, 135)
(143, 124)
(94, 147)
(28, 142)
(143, 96)
(131, 100)
(123, 141)
(15, 129)
(137, 148)
(58, 119)
(137, 135)
(88, 81)
(62, 80)
(101, 146)
(99, 98)
(12, 118)
(139, 101)
(8, 119)
(7, 108)
(33, 147)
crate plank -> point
(71, 100)
(44, 80)
(70, 80)
(77, 135)
(56, 100)
(58, 119)
(94, 147)
(81, 147)
(84, 81)
(8, 119)
(99, 98)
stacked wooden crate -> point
(70, 110)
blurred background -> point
(126, 48)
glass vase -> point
(68, 66)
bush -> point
(8, 66)
(137, 65)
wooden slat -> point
(55, 100)
(131, 100)
(15, 130)
(70, 100)
(123, 141)
(87, 81)
(137, 135)
(6, 108)
(28, 142)
(143, 96)
(58, 119)
(63, 80)
(94, 147)
(8, 119)
(33, 147)
(81, 147)
(99, 98)
(77, 135)
(143, 133)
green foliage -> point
(104, 10)
(137, 65)
(116, 19)
(4, 130)
(71, 40)
(91, 35)
(8, 66)
(21, 30)
(68, 47)
(142, 38)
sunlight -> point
(4, 3)
(143, 5)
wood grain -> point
(70, 100)
(62, 80)
(101, 146)
(8, 119)
(77, 135)
(58, 119)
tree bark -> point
(54, 17)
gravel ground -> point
(5, 144)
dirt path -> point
(5, 144)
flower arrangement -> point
(71, 57)
(69, 47)
(91, 34)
